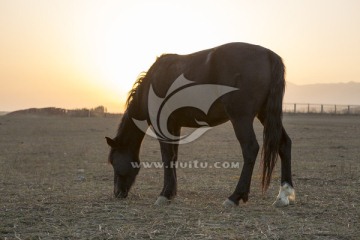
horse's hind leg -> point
(245, 134)
(286, 194)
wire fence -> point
(321, 108)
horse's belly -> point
(192, 117)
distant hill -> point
(53, 111)
(50, 111)
(336, 93)
(3, 113)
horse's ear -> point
(110, 142)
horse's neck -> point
(129, 135)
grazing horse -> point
(256, 78)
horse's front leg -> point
(169, 158)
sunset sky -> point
(82, 53)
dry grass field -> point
(55, 183)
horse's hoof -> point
(281, 202)
(285, 197)
(161, 201)
(229, 204)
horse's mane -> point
(142, 76)
(135, 88)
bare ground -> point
(55, 183)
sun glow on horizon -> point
(121, 51)
(87, 53)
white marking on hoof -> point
(161, 201)
(229, 204)
(285, 197)
(281, 202)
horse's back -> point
(243, 66)
(217, 65)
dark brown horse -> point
(254, 77)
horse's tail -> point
(273, 120)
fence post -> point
(335, 108)
(348, 109)
(322, 109)
(308, 108)
(294, 107)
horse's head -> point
(126, 167)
